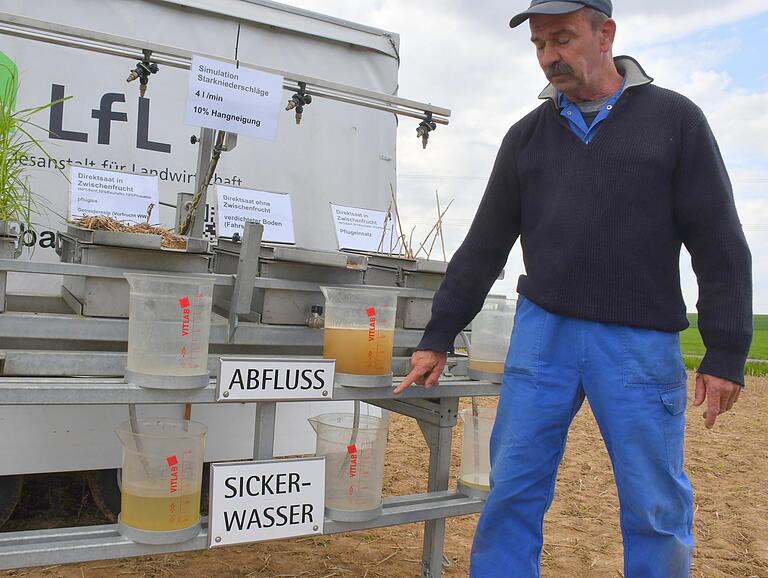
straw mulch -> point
(99, 223)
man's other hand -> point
(720, 394)
(426, 369)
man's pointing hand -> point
(426, 369)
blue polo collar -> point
(572, 113)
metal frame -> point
(434, 409)
(16, 266)
(71, 545)
(436, 418)
(73, 37)
(41, 363)
(114, 390)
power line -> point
(453, 223)
(485, 178)
(456, 177)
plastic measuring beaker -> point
(161, 480)
(169, 322)
(359, 334)
(475, 467)
(354, 464)
(491, 330)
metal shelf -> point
(108, 391)
(435, 411)
(49, 346)
(58, 326)
(70, 545)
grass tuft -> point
(17, 201)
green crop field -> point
(693, 347)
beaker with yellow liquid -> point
(491, 331)
(359, 334)
(161, 480)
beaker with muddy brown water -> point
(359, 334)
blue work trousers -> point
(635, 382)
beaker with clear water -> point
(354, 464)
(359, 334)
(475, 467)
(491, 331)
(161, 480)
(169, 323)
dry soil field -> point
(728, 467)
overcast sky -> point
(461, 54)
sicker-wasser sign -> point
(258, 501)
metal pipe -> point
(124, 47)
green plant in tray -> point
(17, 201)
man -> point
(602, 182)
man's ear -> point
(607, 33)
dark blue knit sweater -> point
(601, 227)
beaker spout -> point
(131, 281)
(126, 433)
(123, 437)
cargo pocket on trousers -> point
(675, 401)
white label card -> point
(262, 379)
(272, 210)
(258, 501)
(239, 100)
(364, 230)
(122, 196)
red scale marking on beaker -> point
(172, 461)
(351, 448)
(184, 302)
(371, 312)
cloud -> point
(739, 117)
(646, 21)
(461, 54)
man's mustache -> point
(558, 69)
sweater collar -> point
(628, 67)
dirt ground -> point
(728, 468)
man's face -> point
(568, 49)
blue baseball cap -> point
(559, 7)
